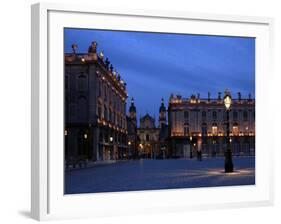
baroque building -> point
(197, 124)
(95, 108)
(153, 140)
(148, 135)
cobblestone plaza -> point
(146, 174)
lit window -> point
(235, 130)
(214, 130)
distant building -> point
(200, 124)
(163, 149)
(149, 137)
(95, 108)
(153, 140)
(132, 131)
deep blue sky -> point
(156, 65)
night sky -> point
(156, 65)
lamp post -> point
(84, 150)
(190, 143)
(66, 152)
(111, 150)
(129, 150)
(228, 165)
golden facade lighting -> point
(235, 130)
(214, 130)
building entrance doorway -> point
(186, 150)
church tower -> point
(133, 112)
(162, 114)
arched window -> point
(186, 129)
(147, 137)
(82, 82)
(214, 129)
(99, 111)
(114, 99)
(99, 87)
(105, 92)
(235, 115)
(245, 115)
(186, 115)
(204, 129)
(109, 115)
(109, 94)
(82, 106)
(105, 113)
(114, 117)
(214, 115)
(204, 114)
(235, 129)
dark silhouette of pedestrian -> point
(199, 155)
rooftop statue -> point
(74, 48)
(93, 48)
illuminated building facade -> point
(149, 137)
(200, 125)
(95, 108)
(153, 141)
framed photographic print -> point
(148, 111)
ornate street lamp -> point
(190, 146)
(228, 165)
(111, 139)
(111, 147)
(66, 149)
(129, 150)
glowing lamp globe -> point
(227, 101)
(111, 139)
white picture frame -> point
(48, 201)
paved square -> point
(148, 174)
